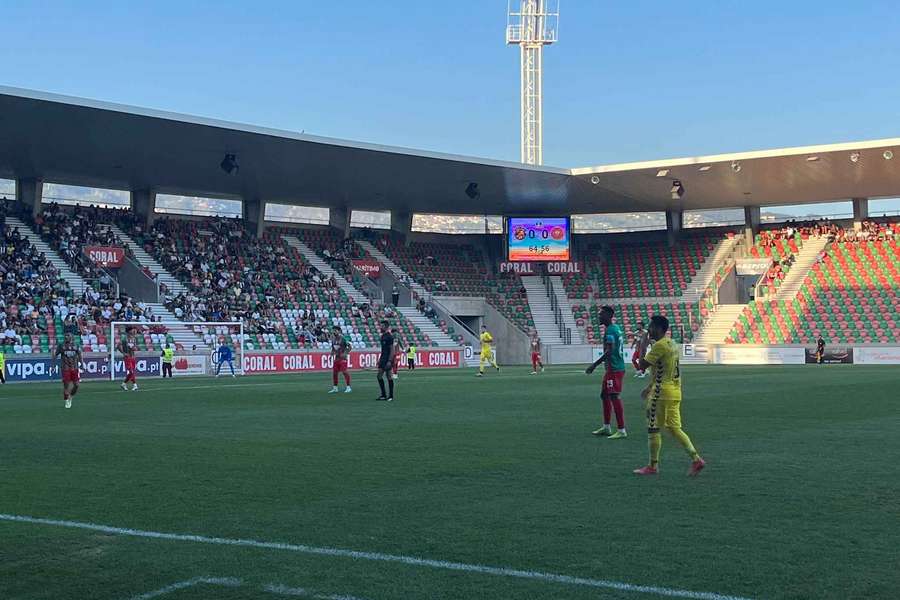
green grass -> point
(799, 501)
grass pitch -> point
(800, 499)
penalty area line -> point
(381, 557)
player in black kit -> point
(386, 362)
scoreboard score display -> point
(538, 239)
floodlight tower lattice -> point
(531, 25)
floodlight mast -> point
(531, 25)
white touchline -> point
(378, 556)
(223, 581)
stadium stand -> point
(457, 270)
(37, 306)
(849, 296)
(646, 268)
(285, 302)
(640, 279)
(67, 230)
(45, 307)
(335, 252)
(781, 245)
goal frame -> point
(169, 324)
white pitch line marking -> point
(163, 591)
(283, 590)
(378, 556)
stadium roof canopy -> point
(75, 141)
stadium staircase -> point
(805, 259)
(319, 263)
(181, 334)
(541, 313)
(565, 307)
(76, 283)
(440, 339)
(722, 255)
(145, 260)
(391, 266)
(718, 325)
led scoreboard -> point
(538, 239)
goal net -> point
(197, 347)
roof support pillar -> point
(752, 218)
(254, 216)
(401, 222)
(860, 212)
(674, 222)
(339, 218)
(29, 192)
(143, 204)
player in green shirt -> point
(614, 358)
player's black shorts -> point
(385, 365)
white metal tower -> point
(533, 26)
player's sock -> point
(655, 441)
(391, 388)
(620, 413)
(683, 439)
(607, 412)
(346, 379)
(381, 385)
(334, 379)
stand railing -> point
(565, 333)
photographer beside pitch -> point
(663, 398)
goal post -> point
(209, 336)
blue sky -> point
(628, 81)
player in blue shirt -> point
(224, 355)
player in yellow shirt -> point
(487, 353)
(663, 398)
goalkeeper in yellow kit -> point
(487, 353)
(663, 398)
